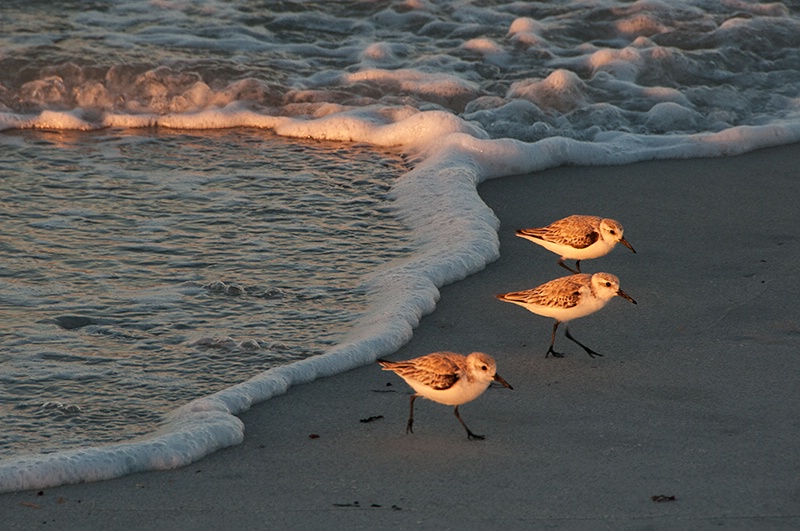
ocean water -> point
(204, 203)
(143, 270)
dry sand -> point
(696, 398)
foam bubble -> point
(623, 64)
(640, 25)
(483, 46)
(670, 116)
(527, 31)
(380, 53)
(562, 91)
(446, 89)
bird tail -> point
(530, 234)
(386, 364)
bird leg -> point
(589, 351)
(411, 415)
(568, 268)
(470, 435)
(552, 342)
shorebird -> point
(578, 238)
(568, 298)
(448, 378)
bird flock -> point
(454, 379)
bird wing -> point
(564, 292)
(576, 231)
(440, 370)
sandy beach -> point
(690, 420)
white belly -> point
(583, 309)
(461, 393)
(595, 250)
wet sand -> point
(690, 420)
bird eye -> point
(612, 231)
(608, 284)
(484, 368)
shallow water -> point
(143, 269)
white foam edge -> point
(457, 236)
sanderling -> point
(578, 238)
(568, 298)
(448, 378)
